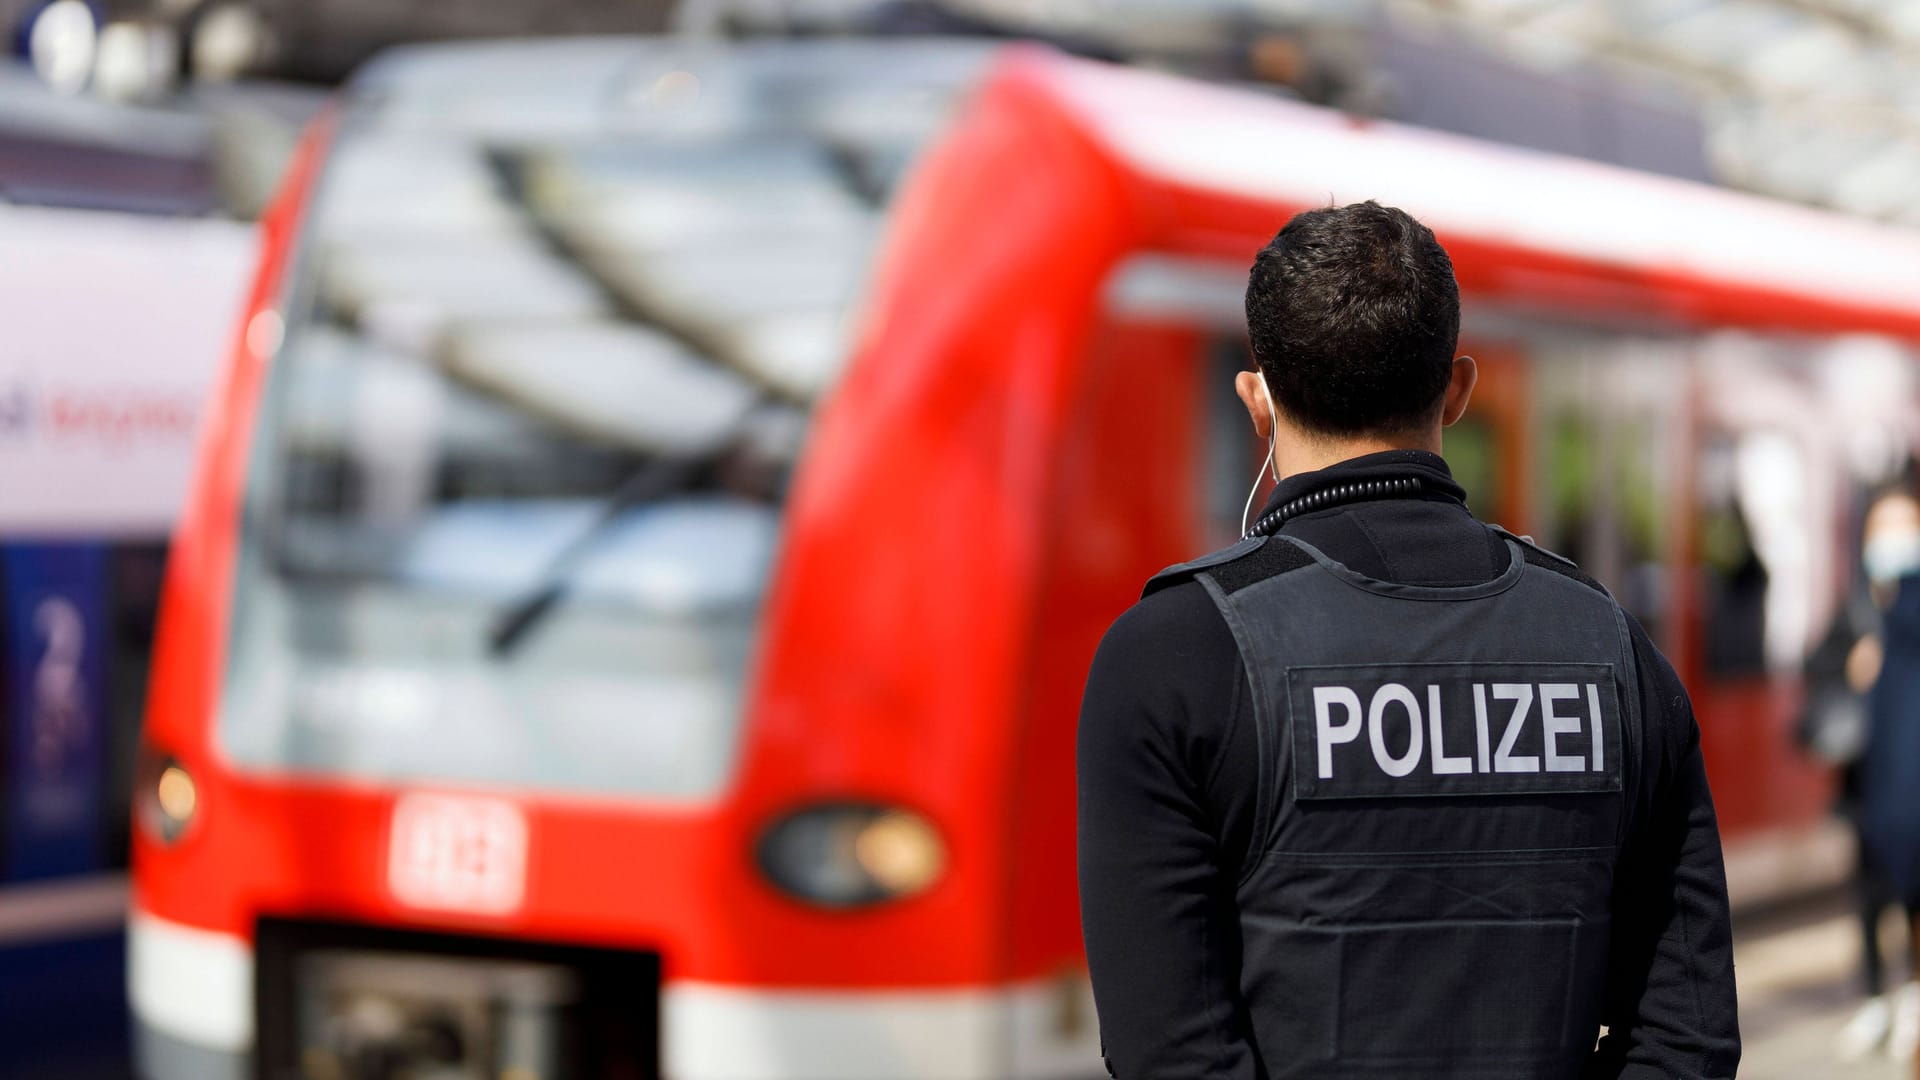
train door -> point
(1683, 472)
(1490, 450)
(1787, 437)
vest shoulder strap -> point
(1546, 559)
(1251, 560)
(1179, 572)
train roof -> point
(1592, 234)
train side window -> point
(1204, 298)
(1232, 452)
(1606, 418)
(1470, 453)
(1733, 579)
(1489, 450)
(1771, 483)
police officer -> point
(1380, 790)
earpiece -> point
(1273, 436)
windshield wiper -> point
(517, 619)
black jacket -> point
(1168, 773)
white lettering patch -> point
(1385, 730)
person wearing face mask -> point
(1381, 790)
(1840, 674)
(1889, 767)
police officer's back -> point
(1380, 790)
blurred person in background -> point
(1840, 674)
(1889, 770)
(1381, 790)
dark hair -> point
(1354, 315)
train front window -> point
(1607, 426)
(553, 381)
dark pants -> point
(1875, 893)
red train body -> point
(1027, 428)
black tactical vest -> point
(1444, 775)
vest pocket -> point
(1486, 991)
(1471, 998)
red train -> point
(544, 683)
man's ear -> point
(1253, 394)
(1460, 384)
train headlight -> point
(851, 855)
(168, 798)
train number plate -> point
(457, 853)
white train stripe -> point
(1042, 1029)
(194, 985)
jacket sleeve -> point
(1670, 1009)
(1154, 894)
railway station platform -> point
(1798, 968)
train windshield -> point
(558, 317)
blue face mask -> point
(1891, 556)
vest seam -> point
(1494, 851)
(1492, 857)
(1263, 739)
(1233, 724)
(1505, 581)
(1631, 780)
(1386, 559)
(1413, 923)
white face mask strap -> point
(1273, 436)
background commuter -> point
(1890, 769)
(1840, 674)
